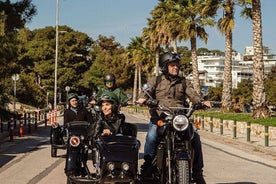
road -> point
(27, 161)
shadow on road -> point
(142, 127)
(239, 183)
(26, 144)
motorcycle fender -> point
(161, 131)
(182, 154)
(73, 161)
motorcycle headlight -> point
(110, 166)
(125, 166)
(180, 122)
(74, 141)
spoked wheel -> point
(53, 151)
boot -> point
(147, 167)
(198, 178)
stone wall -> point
(256, 130)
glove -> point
(152, 103)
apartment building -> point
(211, 67)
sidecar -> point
(58, 139)
(117, 158)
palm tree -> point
(193, 17)
(226, 26)
(150, 39)
(260, 109)
(138, 54)
(182, 21)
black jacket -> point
(116, 125)
(81, 115)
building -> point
(211, 67)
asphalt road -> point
(27, 160)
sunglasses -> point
(109, 82)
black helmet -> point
(72, 95)
(166, 58)
(112, 98)
(110, 77)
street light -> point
(56, 58)
(67, 89)
(15, 77)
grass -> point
(245, 117)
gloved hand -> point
(152, 103)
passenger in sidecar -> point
(75, 112)
(116, 148)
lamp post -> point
(47, 99)
(15, 77)
(56, 58)
(67, 89)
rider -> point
(110, 85)
(171, 90)
(111, 122)
(76, 112)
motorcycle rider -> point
(111, 122)
(76, 112)
(110, 85)
(171, 90)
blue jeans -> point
(152, 142)
(151, 139)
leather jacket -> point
(115, 125)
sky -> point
(125, 19)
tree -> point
(37, 56)
(270, 83)
(108, 56)
(226, 26)
(185, 21)
(139, 56)
(13, 17)
(260, 109)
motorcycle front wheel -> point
(183, 172)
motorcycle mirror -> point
(129, 96)
(97, 108)
(146, 87)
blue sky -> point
(125, 19)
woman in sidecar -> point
(115, 153)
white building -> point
(211, 67)
(268, 58)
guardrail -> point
(28, 122)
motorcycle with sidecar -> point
(114, 158)
(58, 138)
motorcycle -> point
(175, 130)
(115, 158)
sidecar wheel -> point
(53, 151)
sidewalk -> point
(6, 143)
